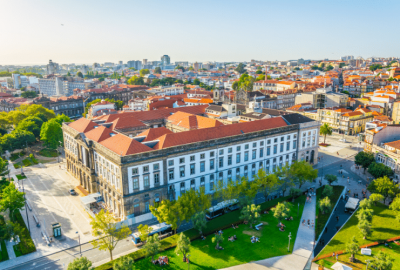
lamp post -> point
(367, 261)
(290, 237)
(80, 248)
(26, 208)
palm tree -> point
(325, 130)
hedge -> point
(26, 245)
(219, 223)
(48, 153)
(4, 253)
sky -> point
(87, 31)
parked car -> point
(72, 192)
(342, 140)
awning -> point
(91, 198)
(352, 203)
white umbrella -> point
(340, 266)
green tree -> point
(364, 159)
(11, 199)
(51, 134)
(327, 191)
(16, 116)
(152, 246)
(21, 138)
(69, 74)
(37, 120)
(302, 172)
(251, 213)
(29, 126)
(124, 263)
(260, 77)
(81, 263)
(157, 70)
(374, 198)
(35, 109)
(183, 245)
(144, 231)
(366, 203)
(395, 206)
(199, 221)
(181, 68)
(3, 164)
(217, 239)
(196, 81)
(384, 186)
(352, 248)
(135, 80)
(365, 227)
(247, 191)
(325, 130)
(365, 214)
(61, 118)
(6, 229)
(294, 192)
(281, 210)
(382, 261)
(259, 72)
(379, 170)
(29, 94)
(325, 205)
(105, 230)
(240, 68)
(285, 178)
(79, 74)
(266, 183)
(331, 178)
(144, 72)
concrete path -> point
(302, 249)
(10, 250)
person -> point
(326, 229)
(337, 218)
(333, 255)
(337, 153)
(308, 223)
(234, 237)
(337, 256)
(304, 221)
(312, 223)
(220, 232)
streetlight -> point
(188, 261)
(80, 249)
(290, 237)
(26, 208)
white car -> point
(342, 140)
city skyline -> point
(90, 31)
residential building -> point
(322, 98)
(61, 86)
(165, 60)
(52, 68)
(131, 173)
(396, 112)
(169, 90)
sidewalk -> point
(302, 249)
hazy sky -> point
(202, 30)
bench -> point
(36, 220)
(257, 227)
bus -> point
(222, 208)
(162, 229)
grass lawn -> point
(204, 255)
(26, 245)
(321, 219)
(20, 177)
(16, 165)
(15, 156)
(384, 226)
(27, 162)
(48, 153)
(360, 263)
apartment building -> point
(273, 85)
(133, 172)
(323, 98)
(61, 86)
(170, 90)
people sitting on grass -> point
(266, 212)
(289, 218)
(234, 237)
(387, 245)
(203, 237)
(282, 229)
(254, 239)
(281, 224)
(245, 222)
(231, 238)
(235, 226)
(220, 232)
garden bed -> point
(20, 177)
(3, 253)
(26, 245)
(324, 144)
(322, 219)
(16, 156)
(203, 254)
(48, 153)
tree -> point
(124, 263)
(247, 191)
(331, 178)
(144, 231)
(285, 178)
(218, 238)
(152, 246)
(325, 130)
(266, 183)
(294, 192)
(12, 200)
(6, 229)
(325, 205)
(379, 170)
(302, 172)
(364, 159)
(365, 227)
(16, 116)
(260, 77)
(395, 206)
(352, 248)
(366, 203)
(29, 94)
(81, 263)
(199, 221)
(105, 230)
(365, 214)
(183, 245)
(259, 72)
(181, 68)
(374, 198)
(251, 213)
(281, 210)
(37, 120)
(29, 126)
(144, 72)
(240, 68)
(51, 134)
(157, 70)
(384, 186)
(3, 164)
(382, 261)
(196, 81)
(135, 80)
(79, 74)
(328, 191)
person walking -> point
(337, 218)
(326, 229)
(337, 256)
(333, 255)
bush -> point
(16, 166)
(34, 160)
(26, 245)
(4, 253)
(27, 162)
(48, 153)
(20, 177)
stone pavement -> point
(302, 249)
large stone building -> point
(131, 172)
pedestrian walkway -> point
(10, 250)
(302, 249)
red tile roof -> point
(153, 133)
(82, 125)
(99, 134)
(123, 145)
